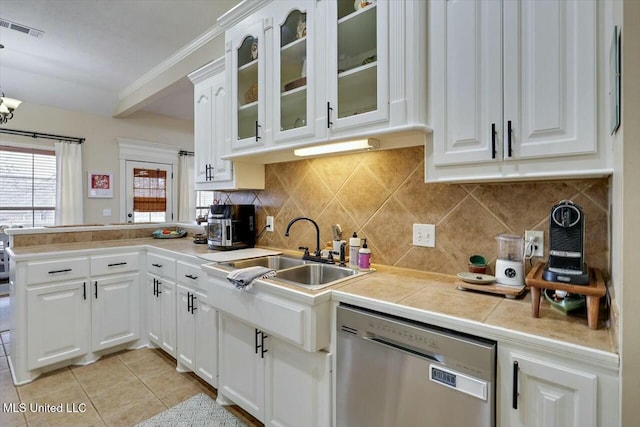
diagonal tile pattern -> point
(380, 194)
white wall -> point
(100, 150)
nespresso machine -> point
(566, 245)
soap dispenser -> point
(364, 257)
(354, 247)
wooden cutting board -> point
(227, 256)
(494, 288)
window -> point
(149, 195)
(204, 200)
(27, 186)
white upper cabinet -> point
(294, 41)
(212, 134)
(245, 54)
(325, 71)
(514, 90)
(357, 61)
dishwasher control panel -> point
(461, 382)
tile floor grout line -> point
(142, 381)
(87, 394)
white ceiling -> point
(92, 50)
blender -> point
(510, 265)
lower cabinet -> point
(543, 390)
(161, 313)
(115, 312)
(58, 324)
(197, 345)
(276, 382)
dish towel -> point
(243, 277)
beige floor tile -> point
(6, 382)
(70, 397)
(47, 383)
(12, 419)
(116, 400)
(135, 414)
(179, 394)
(105, 376)
(69, 419)
(137, 355)
(4, 364)
(152, 366)
(165, 383)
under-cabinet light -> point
(337, 147)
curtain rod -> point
(43, 135)
(185, 153)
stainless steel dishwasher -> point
(393, 372)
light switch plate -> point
(106, 212)
(424, 235)
(270, 223)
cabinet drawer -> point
(162, 266)
(57, 270)
(274, 315)
(189, 274)
(110, 264)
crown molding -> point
(208, 70)
(239, 12)
(174, 59)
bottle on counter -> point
(364, 256)
(354, 247)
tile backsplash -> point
(381, 194)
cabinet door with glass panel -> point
(294, 40)
(358, 76)
(246, 74)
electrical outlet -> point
(106, 212)
(538, 242)
(270, 223)
(424, 235)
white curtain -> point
(69, 183)
(186, 189)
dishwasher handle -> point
(400, 347)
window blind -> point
(27, 186)
(149, 190)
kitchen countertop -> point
(405, 290)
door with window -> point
(149, 197)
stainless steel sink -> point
(315, 275)
(276, 262)
(298, 272)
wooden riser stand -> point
(595, 290)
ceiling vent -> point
(22, 28)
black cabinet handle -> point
(192, 277)
(509, 138)
(158, 291)
(329, 110)
(189, 301)
(95, 284)
(66, 270)
(154, 288)
(257, 127)
(193, 303)
(493, 140)
(515, 385)
(84, 290)
(257, 346)
(115, 264)
(263, 349)
(157, 265)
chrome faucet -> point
(316, 255)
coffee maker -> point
(566, 245)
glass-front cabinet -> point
(245, 56)
(294, 69)
(357, 63)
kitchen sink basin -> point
(276, 262)
(315, 275)
(298, 272)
